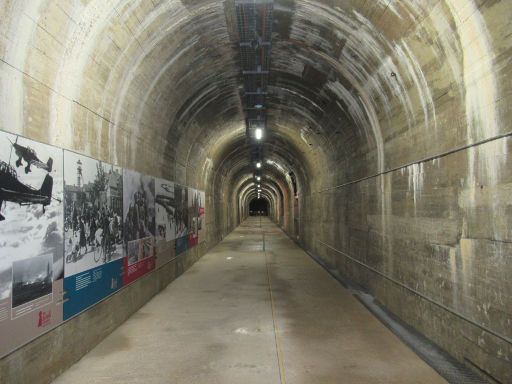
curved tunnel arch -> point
(246, 187)
(341, 77)
(360, 94)
(269, 192)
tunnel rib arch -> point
(386, 150)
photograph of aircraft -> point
(165, 216)
(169, 188)
(11, 189)
(29, 156)
(31, 238)
(31, 233)
(167, 203)
(31, 210)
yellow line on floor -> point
(280, 358)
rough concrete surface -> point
(46, 357)
(255, 309)
(386, 146)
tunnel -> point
(258, 207)
(140, 137)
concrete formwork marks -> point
(12, 91)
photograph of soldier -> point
(138, 215)
(138, 223)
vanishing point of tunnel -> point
(255, 191)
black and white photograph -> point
(181, 196)
(132, 251)
(138, 250)
(165, 205)
(193, 216)
(32, 278)
(31, 217)
(147, 247)
(93, 225)
(5, 283)
(138, 206)
(201, 219)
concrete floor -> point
(256, 309)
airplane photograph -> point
(31, 207)
(165, 210)
(167, 203)
(11, 189)
(28, 155)
(165, 216)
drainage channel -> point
(447, 366)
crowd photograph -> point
(93, 227)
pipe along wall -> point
(386, 151)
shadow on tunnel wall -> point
(387, 153)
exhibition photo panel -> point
(165, 206)
(201, 222)
(181, 195)
(75, 230)
(93, 231)
(31, 233)
(193, 217)
(139, 224)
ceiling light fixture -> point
(259, 133)
(258, 164)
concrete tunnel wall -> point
(393, 116)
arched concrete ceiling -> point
(248, 190)
(357, 89)
(155, 85)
